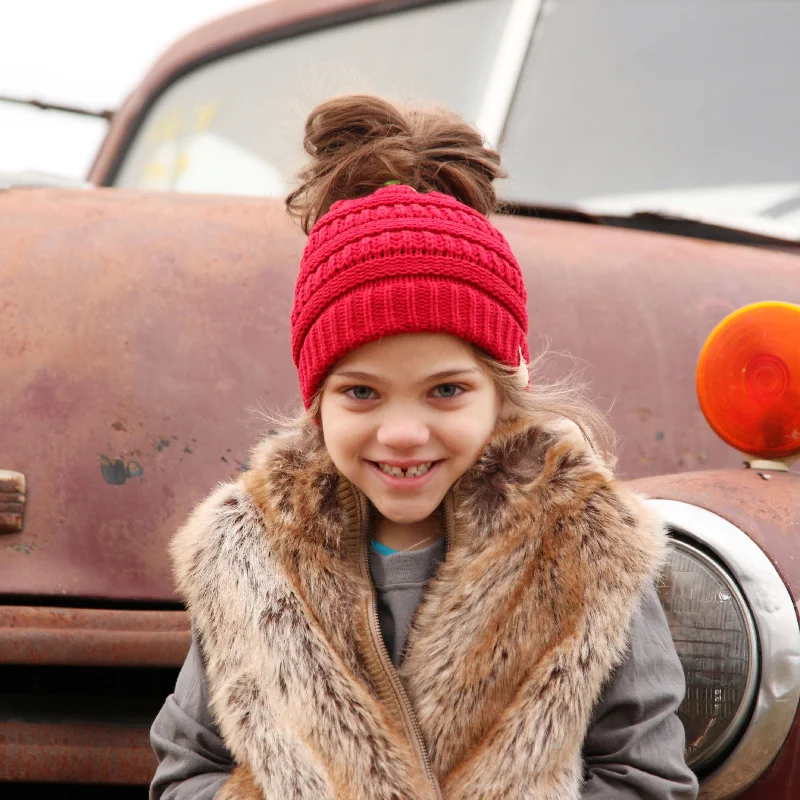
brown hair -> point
(358, 143)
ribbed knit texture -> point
(398, 261)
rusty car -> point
(644, 213)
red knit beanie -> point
(399, 261)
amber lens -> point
(748, 379)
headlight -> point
(734, 623)
(715, 637)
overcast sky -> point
(83, 52)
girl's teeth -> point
(411, 472)
(421, 469)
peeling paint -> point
(115, 471)
(21, 547)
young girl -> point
(429, 585)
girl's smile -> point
(413, 477)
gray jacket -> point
(633, 750)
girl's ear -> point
(523, 376)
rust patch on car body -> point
(75, 753)
(90, 736)
(93, 637)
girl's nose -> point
(403, 433)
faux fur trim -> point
(509, 649)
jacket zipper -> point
(410, 718)
(448, 522)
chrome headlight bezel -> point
(773, 611)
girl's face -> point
(404, 417)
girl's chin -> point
(403, 515)
(399, 518)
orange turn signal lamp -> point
(748, 380)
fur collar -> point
(516, 634)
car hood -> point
(142, 333)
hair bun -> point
(358, 143)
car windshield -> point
(678, 106)
(682, 106)
(235, 125)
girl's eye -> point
(445, 391)
(359, 393)
(448, 390)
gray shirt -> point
(400, 579)
(633, 749)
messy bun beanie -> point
(399, 261)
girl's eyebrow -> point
(438, 376)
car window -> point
(235, 125)
(633, 103)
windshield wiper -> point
(657, 222)
(103, 113)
